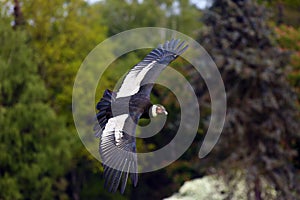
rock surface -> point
(215, 188)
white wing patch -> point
(133, 79)
(163, 54)
(115, 125)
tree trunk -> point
(19, 20)
(257, 188)
(280, 13)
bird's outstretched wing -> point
(118, 153)
(143, 75)
(117, 144)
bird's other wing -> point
(118, 152)
(147, 71)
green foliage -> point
(62, 33)
(177, 15)
(34, 144)
(289, 40)
(284, 11)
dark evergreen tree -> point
(34, 144)
(262, 129)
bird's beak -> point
(166, 113)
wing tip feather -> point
(174, 46)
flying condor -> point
(119, 112)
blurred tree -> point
(262, 126)
(284, 11)
(288, 38)
(179, 15)
(62, 33)
(19, 19)
(34, 144)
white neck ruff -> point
(153, 111)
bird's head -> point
(157, 109)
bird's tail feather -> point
(104, 111)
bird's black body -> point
(119, 113)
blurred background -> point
(256, 46)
